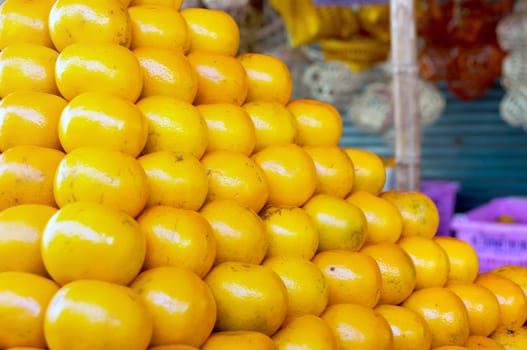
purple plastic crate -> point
(496, 243)
(444, 194)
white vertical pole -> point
(405, 94)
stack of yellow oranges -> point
(159, 192)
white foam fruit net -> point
(431, 103)
(372, 111)
(224, 4)
(511, 31)
(190, 3)
(513, 107)
(332, 82)
(514, 72)
(520, 6)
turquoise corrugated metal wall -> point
(470, 144)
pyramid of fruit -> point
(159, 192)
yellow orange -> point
(370, 174)
(307, 290)
(238, 340)
(233, 175)
(174, 126)
(160, 27)
(511, 339)
(269, 78)
(81, 231)
(167, 72)
(462, 257)
(385, 223)
(229, 128)
(106, 68)
(27, 67)
(89, 21)
(482, 307)
(419, 212)
(181, 304)
(21, 229)
(305, 332)
(24, 298)
(249, 297)
(444, 313)
(352, 277)
(290, 232)
(177, 238)
(478, 342)
(517, 274)
(430, 261)
(221, 78)
(25, 22)
(397, 271)
(290, 174)
(273, 123)
(450, 347)
(212, 30)
(175, 180)
(102, 120)
(238, 231)
(335, 172)
(26, 175)
(176, 4)
(358, 327)
(511, 300)
(30, 118)
(319, 123)
(173, 347)
(77, 314)
(409, 329)
(98, 175)
(340, 225)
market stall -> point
(198, 175)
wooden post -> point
(405, 95)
